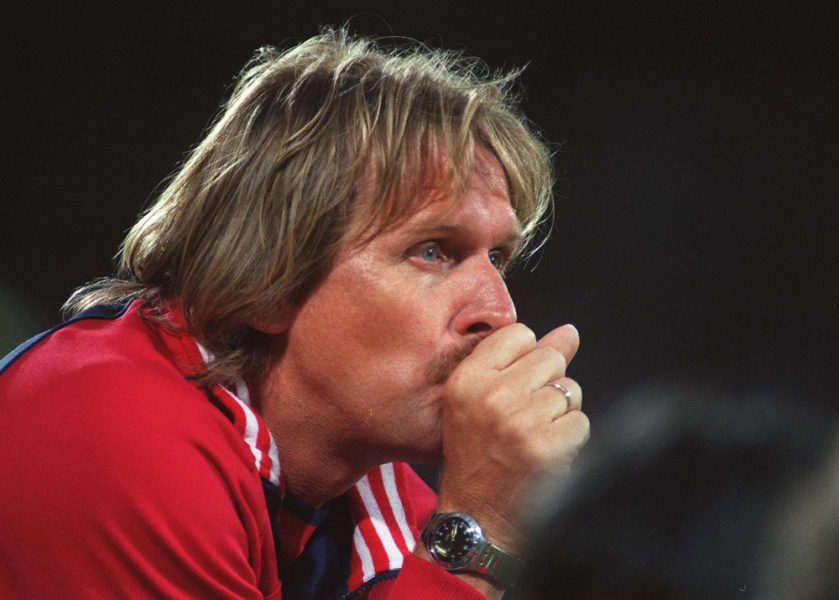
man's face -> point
(369, 349)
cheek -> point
(388, 319)
(396, 328)
(357, 312)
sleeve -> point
(131, 486)
(419, 579)
(422, 580)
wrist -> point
(497, 527)
(456, 542)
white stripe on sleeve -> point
(389, 479)
(382, 530)
(367, 570)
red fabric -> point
(123, 483)
(125, 480)
(404, 545)
(386, 526)
(421, 580)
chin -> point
(421, 440)
(428, 455)
(426, 451)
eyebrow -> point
(512, 240)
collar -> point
(382, 520)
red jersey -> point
(122, 477)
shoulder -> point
(113, 390)
(106, 377)
(116, 452)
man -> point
(315, 299)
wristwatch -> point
(456, 543)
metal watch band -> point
(487, 560)
(499, 566)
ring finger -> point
(569, 395)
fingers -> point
(565, 339)
(505, 346)
(535, 369)
(513, 363)
(538, 362)
(564, 395)
(502, 348)
(501, 422)
(555, 399)
(573, 429)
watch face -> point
(453, 541)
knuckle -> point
(496, 403)
(573, 387)
(579, 427)
(458, 379)
(555, 357)
(466, 378)
(537, 450)
(513, 430)
(523, 333)
(528, 442)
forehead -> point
(485, 192)
(438, 196)
(486, 167)
(488, 175)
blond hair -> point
(257, 211)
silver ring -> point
(562, 389)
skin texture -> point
(408, 349)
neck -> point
(319, 458)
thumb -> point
(565, 339)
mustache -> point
(445, 364)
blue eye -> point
(498, 260)
(430, 253)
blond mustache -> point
(440, 369)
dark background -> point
(696, 207)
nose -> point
(486, 303)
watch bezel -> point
(473, 530)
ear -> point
(276, 324)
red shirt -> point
(122, 478)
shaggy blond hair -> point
(257, 211)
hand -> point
(501, 425)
